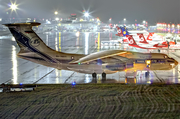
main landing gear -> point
(103, 75)
(94, 75)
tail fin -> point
(132, 42)
(150, 36)
(124, 31)
(29, 41)
(120, 33)
(142, 39)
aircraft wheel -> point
(94, 75)
(103, 75)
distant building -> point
(73, 17)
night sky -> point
(151, 10)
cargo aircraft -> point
(32, 48)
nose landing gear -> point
(147, 75)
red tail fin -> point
(131, 40)
(150, 36)
(142, 39)
(133, 43)
(119, 31)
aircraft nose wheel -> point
(94, 75)
(147, 75)
(103, 75)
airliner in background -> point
(159, 43)
(144, 45)
(122, 32)
(32, 48)
(154, 40)
(153, 44)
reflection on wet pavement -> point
(16, 70)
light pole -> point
(144, 22)
(86, 14)
(110, 19)
(13, 7)
(55, 12)
(124, 21)
(56, 18)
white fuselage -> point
(138, 31)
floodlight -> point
(86, 14)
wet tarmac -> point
(15, 70)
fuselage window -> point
(140, 61)
(161, 61)
(153, 61)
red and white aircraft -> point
(143, 44)
(149, 38)
(122, 33)
(159, 43)
(152, 41)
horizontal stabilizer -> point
(23, 24)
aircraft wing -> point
(104, 56)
